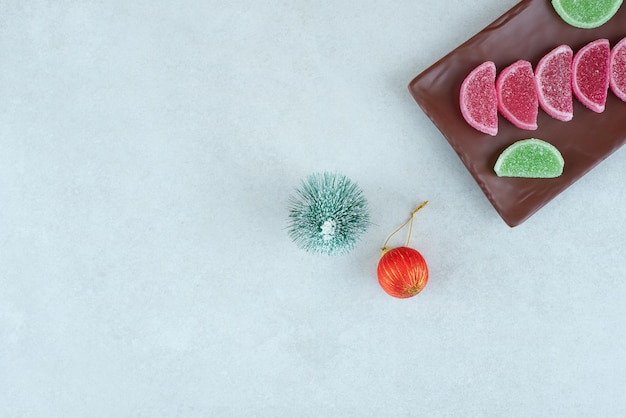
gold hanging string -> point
(385, 249)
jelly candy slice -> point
(590, 74)
(617, 71)
(531, 158)
(517, 95)
(586, 14)
(554, 86)
(478, 99)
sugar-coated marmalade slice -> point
(478, 99)
(590, 74)
(530, 158)
(586, 14)
(517, 95)
(617, 77)
(554, 83)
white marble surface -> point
(147, 151)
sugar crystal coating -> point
(586, 14)
(554, 88)
(590, 74)
(517, 95)
(618, 70)
(478, 101)
(530, 158)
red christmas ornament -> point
(402, 271)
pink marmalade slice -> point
(617, 71)
(554, 83)
(590, 74)
(517, 95)
(478, 99)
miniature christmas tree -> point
(328, 214)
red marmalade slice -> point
(618, 70)
(517, 95)
(590, 74)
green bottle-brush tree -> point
(328, 214)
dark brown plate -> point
(527, 31)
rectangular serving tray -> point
(527, 31)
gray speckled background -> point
(147, 151)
